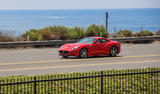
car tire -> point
(65, 56)
(113, 51)
(83, 53)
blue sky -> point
(77, 4)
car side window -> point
(104, 40)
(101, 41)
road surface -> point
(46, 60)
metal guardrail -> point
(60, 42)
(34, 43)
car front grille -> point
(63, 52)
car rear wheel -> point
(65, 56)
(83, 53)
(113, 51)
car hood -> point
(70, 46)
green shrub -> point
(96, 30)
(33, 35)
(72, 34)
(158, 32)
(144, 33)
(45, 33)
(60, 32)
(125, 33)
(76, 33)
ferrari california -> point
(91, 46)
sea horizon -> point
(81, 9)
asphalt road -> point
(46, 60)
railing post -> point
(0, 86)
(101, 82)
(35, 90)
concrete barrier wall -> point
(61, 42)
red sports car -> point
(91, 46)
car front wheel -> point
(83, 53)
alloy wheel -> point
(83, 53)
(113, 51)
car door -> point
(104, 46)
(98, 47)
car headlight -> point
(61, 46)
(75, 47)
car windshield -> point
(87, 40)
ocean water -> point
(132, 19)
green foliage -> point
(158, 32)
(125, 33)
(115, 84)
(76, 33)
(45, 33)
(96, 30)
(33, 35)
(144, 33)
(53, 32)
(62, 32)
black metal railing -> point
(104, 82)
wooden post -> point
(141, 28)
(28, 37)
(106, 21)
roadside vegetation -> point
(69, 33)
(63, 33)
(158, 32)
(7, 36)
(125, 33)
(143, 33)
(124, 84)
(96, 30)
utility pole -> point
(106, 21)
